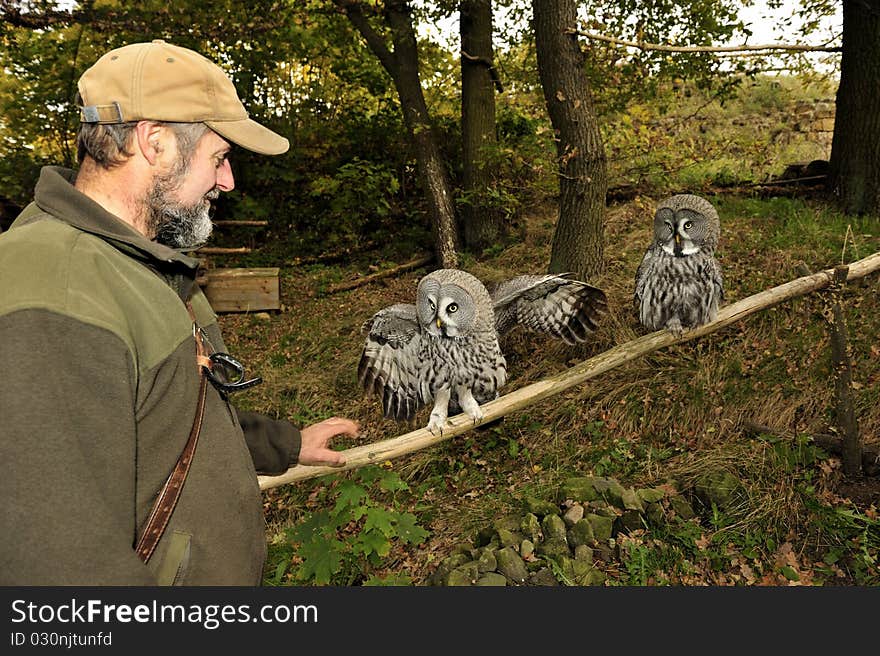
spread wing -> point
(389, 364)
(553, 303)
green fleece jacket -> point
(97, 400)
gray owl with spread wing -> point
(445, 350)
(679, 283)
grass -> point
(668, 418)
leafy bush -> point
(346, 543)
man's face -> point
(179, 202)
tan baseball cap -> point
(157, 81)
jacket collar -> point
(56, 195)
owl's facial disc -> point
(447, 317)
(680, 237)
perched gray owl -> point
(445, 350)
(678, 283)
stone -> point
(553, 528)
(531, 527)
(540, 507)
(602, 526)
(486, 561)
(580, 488)
(650, 494)
(542, 577)
(718, 488)
(554, 548)
(581, 533)
(573, 515)
(511, 565)
(492, 579)
(509, 538)
(681, 507)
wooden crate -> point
(242, 290)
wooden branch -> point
(240, 223)
(217, 250)
(378, 452)
(352, 284)
(844, 410)
(493, 72)
(642, 45)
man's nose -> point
(225, 179)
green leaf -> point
(380, 519)
(321, 560)
(315, 524)
(409, 531)
(350, 495)
(373, 542)
(391, 482)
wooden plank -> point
(243, 290)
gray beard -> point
(177, 225)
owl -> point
(445, 349)
(678, 283)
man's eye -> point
(452, 308)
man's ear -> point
(149, 138)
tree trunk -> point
(482, 220)
(579, 238)
(855, 148)
(403, 66)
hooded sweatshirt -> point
(97, 400)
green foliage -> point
(358, 200)
(346, 542)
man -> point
(101, 324)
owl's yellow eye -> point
(688, 225)
(452, 308)
(433, 307)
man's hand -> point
(314, 450)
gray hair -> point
(107, 143)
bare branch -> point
(493, 72)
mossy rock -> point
(553, 528)
(719, 488)
(492, 579)
(511, 565)
(540, 507)
(581, 533)
(602, 526)
(530, 526)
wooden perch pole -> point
(378, 452)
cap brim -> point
(250, 135)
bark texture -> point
(855, 147)
(578, 242)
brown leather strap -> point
(170, 493)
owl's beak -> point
(439, 323)
(677, 238)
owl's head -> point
(451, 303)
(685, 225)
